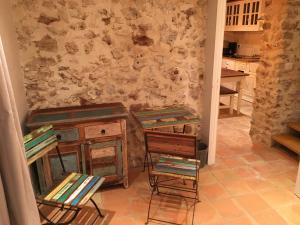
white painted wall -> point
(213, 57)
(8, 36)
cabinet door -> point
(232, 20)
(105, 159)
(250, 15)
(71, 159)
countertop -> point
(232, 73)
(243, 59)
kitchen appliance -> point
(231, 49)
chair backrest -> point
(171, 144)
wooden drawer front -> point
(66, 135)
(102, 130)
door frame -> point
(213, 64)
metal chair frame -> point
(155, 183)
(62, 207)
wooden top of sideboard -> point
(76, 114)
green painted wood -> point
(40, 146)
(161, 111)
(74, 186)
(165, 116)
(39, 139)
(170, 123)
(82, 114)
(105, 171)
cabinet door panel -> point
(105, 158)
(71, 163)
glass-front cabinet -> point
(244, 15)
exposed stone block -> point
(47, 19)
(71, 47)
(47, 43)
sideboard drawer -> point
(102, 130)
(67, 135)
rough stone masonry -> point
(143, 53)
(277, 100)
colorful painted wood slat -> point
(70, 190)
(66, 187)
(170, 123)
(36, 133)
(85, 191)
(177, 166)
(41, 153)
(91, 192)
(165, 116)
(60, 186)
(160, 111)
(80, 189)
(39, 139)
(73, 116)
(40, 146)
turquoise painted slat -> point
(40, 146)
(171, 115)
(64, 197)
(85, 191)
(161, 111)
(169, 123)
(177, 171)
(39, 139)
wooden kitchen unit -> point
(92, 140)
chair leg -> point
(149, 207)
(145, 160)
(97, 208)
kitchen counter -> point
(232, 73)
(243, 59)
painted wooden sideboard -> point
(92, 140)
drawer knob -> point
(58, 136)
(102, 131)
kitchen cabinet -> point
(92, 140)
(249, 82)
(244, 15)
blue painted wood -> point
(70, 162)
(66, 135)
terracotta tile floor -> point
(249, 184)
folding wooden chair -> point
(176, 156)
(72, 194)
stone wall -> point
(278, 77)
(143, 53)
